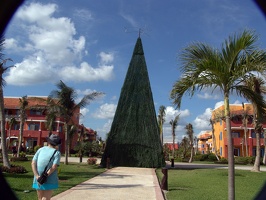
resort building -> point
(205, 142)
(244, 137)
(35, 130)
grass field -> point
(69, 176)
(211, 184)
(206, 184)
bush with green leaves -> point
(36, 148)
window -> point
(16, 127)
(202, 152)
(221, 122)
(235, 134)
(35, 112)
(202, 145)
(221, 136)
(34, 127)
(221, 151)
(253, 134)
(236, 152)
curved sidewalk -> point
(118, 183)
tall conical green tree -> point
(134, 138)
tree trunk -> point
(231, 164)
(246, 141)
(256, 166)
(173, 151)
(191, 154)
(66, 144)
(21, 129)
(264, 156)
(3, 131)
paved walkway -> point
(118, 183)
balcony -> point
(239, 141)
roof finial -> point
(139, 30)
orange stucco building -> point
(238, 131)
(35, 131)
(205, 142)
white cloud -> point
(87, 73)
(106, 111)
(208, 96)
(51, 50)
(203, 121)
(106, 57)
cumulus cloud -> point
(51, 49)
(106, 57)
(106, 111)
(203, 121)
(87, 73)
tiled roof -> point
(14, 103)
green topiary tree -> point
(134, 138)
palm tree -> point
(12, 122)
(245, 117)
(173, 124)
(23, 106)
(184, 146)
(190, 134)
(257, 84)
(66, 107)
(3, 69)
(161, 120)
(225, 69)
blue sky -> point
(88, 44)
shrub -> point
(222, 161)
(15, 169)
(197, 157)
(14, 159)
(22, 154)
(212, 157)
(36, 148)
(92, 161)
(241, 160)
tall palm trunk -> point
(258, 130)
(3, 131)
(246, 140)
(191, 153)
(256, 166)
(66, 143)
(21, 129)
(264, 156)
(231, 164)
(173, 151)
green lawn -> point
(69, 176)
(211, 184)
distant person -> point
(39, 162)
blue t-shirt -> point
(42, 157)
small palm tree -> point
(226, 70)
(257, 84)
(190, 134)
(22, 108)
(245, 117)
(3, 69)
(66, 106)
(12, 122)
(161, 120)
(173, 124)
